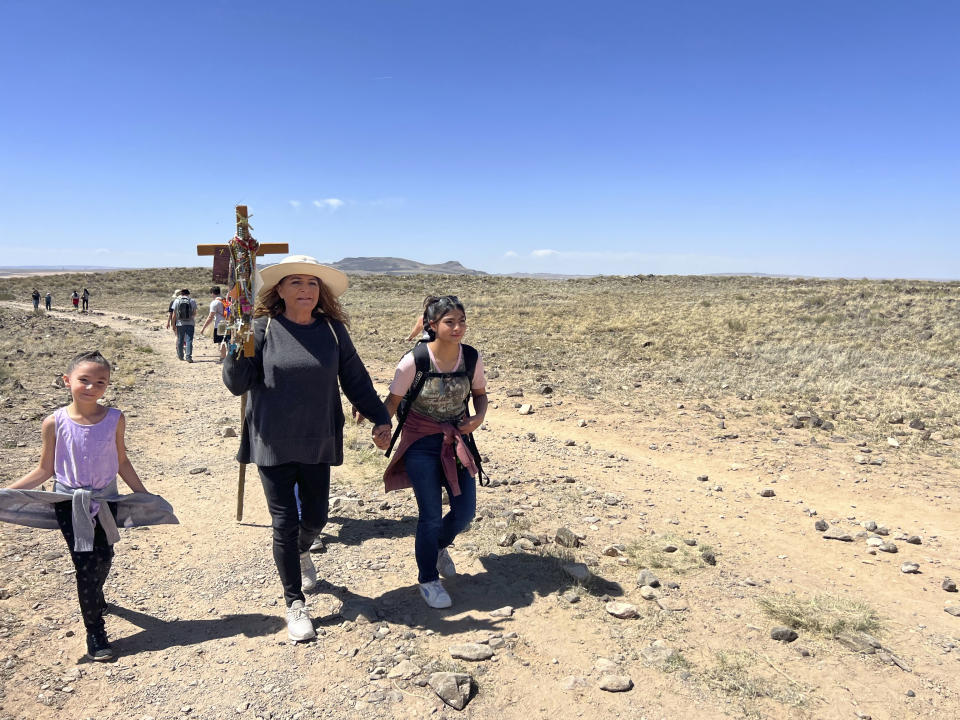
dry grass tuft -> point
(735, 675)
(824, 614)
(647, 552)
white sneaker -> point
(445, 565)
(318, 546)
(299, 625)
(434, 595)
(308, 573)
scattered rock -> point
(405, 669)
(860, 642)
(615, 683)
(471, 651)
(953, 610)
(507, 539)
(615, 550)
(574, 682)
(915, 540)
(910, 568)
(578, 571)
(708, 556)
(504, 612)
(622, 610)
(197, 470)
(916, 424)
(672, 604)
(648, 577)
(669, 548)
(784, 634)
(887, 547)
(565, 537)
(648, 593)
(949, 585)
(821, 525)
(452, 688)
(703, 478)
(658, 653)
(605, 666)
(837, 535)
(228, 432)
(767, 492)
(526, 409)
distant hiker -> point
(76, 300)
(217, 316)
(85, 299)
(293, 427)
(48, 300)
(184, 313)
(434, 451)
(36, 299)
(83, 449)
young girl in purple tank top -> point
(83, 449)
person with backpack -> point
(293, 421)
(429, 394)
(184, 313)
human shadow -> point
(514, 579)
(354, 531)
(157, 634)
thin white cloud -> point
(511, 254)
(102, 251)
(331, 204)
(295, 204)
(544, 253)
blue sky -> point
(816, 138)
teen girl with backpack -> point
(434, 451)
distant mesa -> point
(399, 266)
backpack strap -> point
(421, 359)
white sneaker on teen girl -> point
(434, 595)
(445, 565)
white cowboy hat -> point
(335, 280)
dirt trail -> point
(198, 622)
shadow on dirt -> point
(157, 634)
(514, 579)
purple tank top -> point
(86, 455)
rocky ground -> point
(634, 562)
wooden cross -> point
(243, 329)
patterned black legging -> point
(92, 567)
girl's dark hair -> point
(435, 307)
(93, 356)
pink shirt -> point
(407, 369)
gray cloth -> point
(34, 508)
(193, 311)
(293, 410)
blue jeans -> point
(436, 531)
(185, 341)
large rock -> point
(453, 688)
(404, 670)
(784, 634)
(471, 651)
(615, 683)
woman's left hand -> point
(381, 436)
(469, 424)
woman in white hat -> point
(294, 420)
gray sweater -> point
(293, 410)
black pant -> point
(92, 567)
(294, 532)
